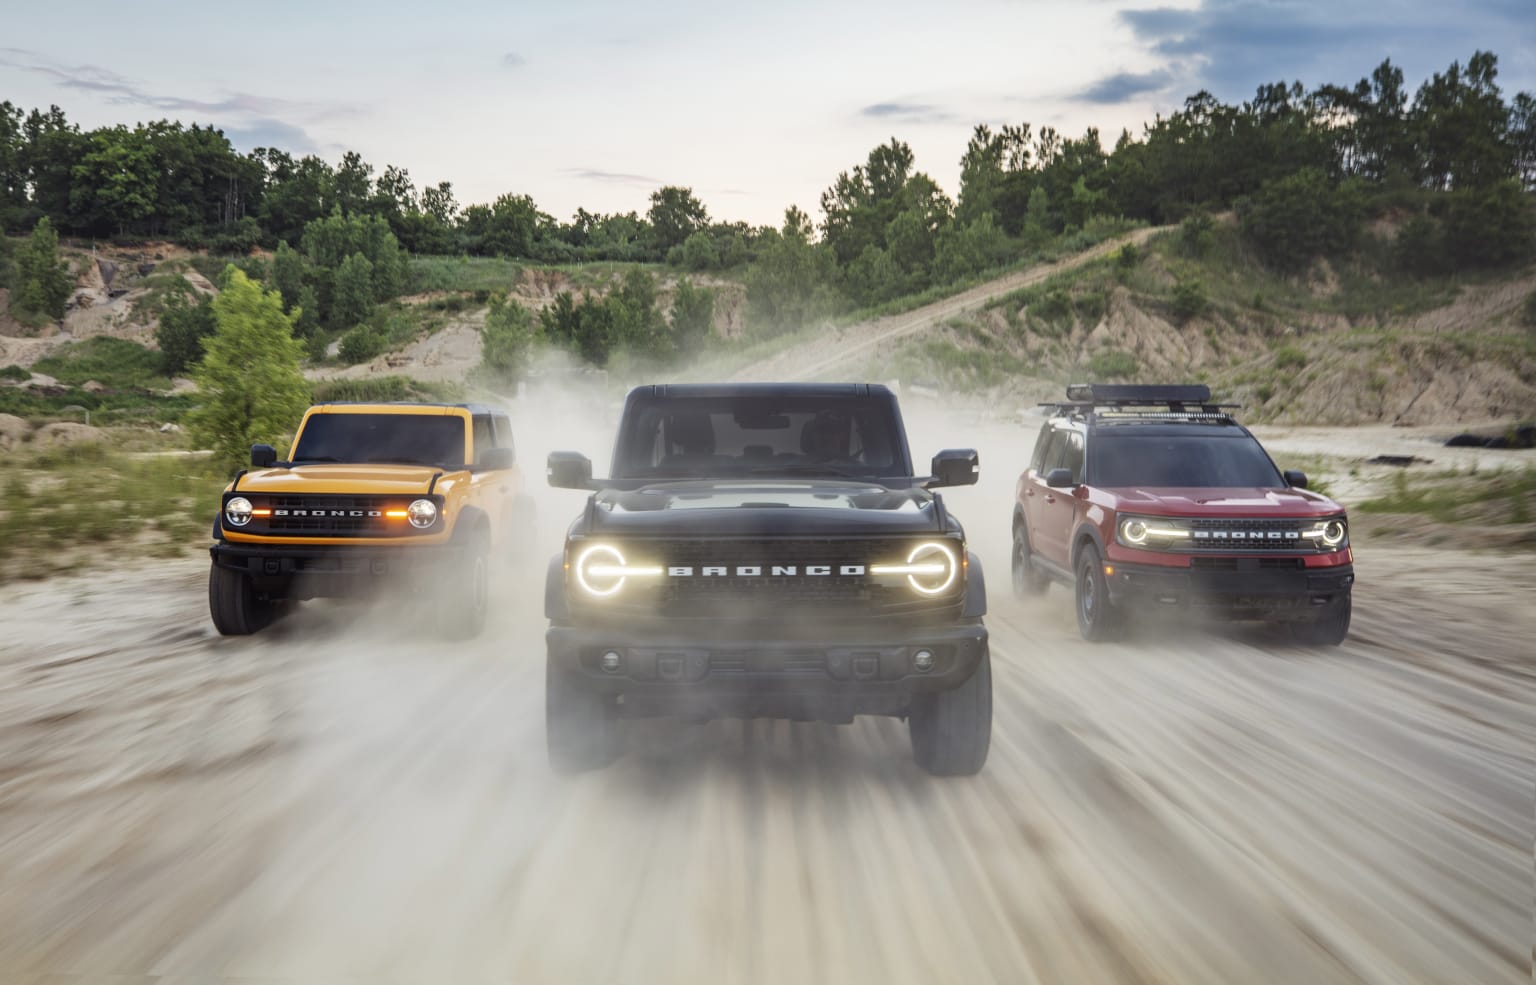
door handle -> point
(1050, 499)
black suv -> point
(765, 550)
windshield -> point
(1202, 460)
(403, 439)
(807, 435)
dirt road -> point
(347, 799)
(827, 354)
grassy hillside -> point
(1349, 341)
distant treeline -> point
(1455, 161)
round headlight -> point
(422, 513)
(939, 568)
(597, 570)
(238, 511)
(1134, 531)
(1333, 533)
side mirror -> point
(569, 470)
(493, 459)
(955, 467)
(263, 456)
(1295, 479)
(1059, 479)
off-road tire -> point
(1028, 580)
(234, 605)
(580, 726)
(464, 611)
(952, 730)
(1329, 630)
(1097, 619)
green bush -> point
(1189, 299)
(1090, 306)
(1420, 247)
(362, 343)
(1197, 233)
(16, 373)
(1296, 219)
(1108, 364)
(1289, 357)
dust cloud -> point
(348, 797)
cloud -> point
(271, 133)
(123, 91)
(1122, 86)
(1233, 46)
(907, 113)
(513, 60)
(613, 177)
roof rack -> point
(1168, 402)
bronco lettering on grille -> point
(350, 513)
(756, 570)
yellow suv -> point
(419, 493)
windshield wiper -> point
(315, 458)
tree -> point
(288, 274)
(249, 380)
(675, 215)
(790, 284)
(1300, 217)
(698, 252)
(507, 339)
(43, 281)
(693, 316)
(353, 183)
(183, 326)
(353, 301)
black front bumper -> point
(830, 675)
(301, 571)
(1246, 590)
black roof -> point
(760, 390)
(472, 408)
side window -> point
(1037, 460)
(483, 436)
(504, 434)
(1053, 448)
(1072, 456)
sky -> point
(754, 105)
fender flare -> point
(555, 607)
(1086, 531)
(975, 588)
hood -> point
(766, 507)
(1224, 501)
(403, 480)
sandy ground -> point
(347, 799)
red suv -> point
(1152, 496)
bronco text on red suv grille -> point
(1141, 496)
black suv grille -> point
(780, 595)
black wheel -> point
(1028, 580)
(1097, 619)
(464, 611)
(234, 605)
(1328, 630)
(580, 726)
(952, 730)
